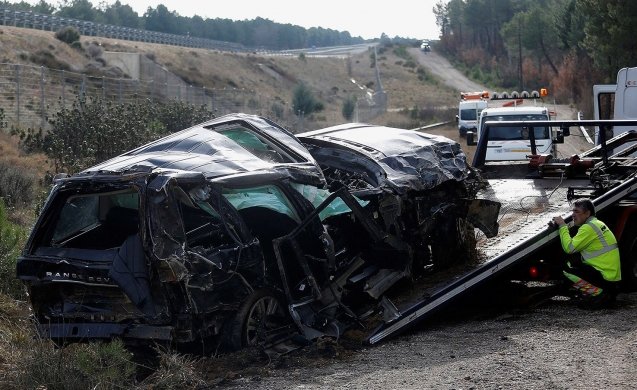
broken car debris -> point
(227, 230)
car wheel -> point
(256, 321)
(454, 243)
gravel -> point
(555, 345)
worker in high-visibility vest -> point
(596, 275)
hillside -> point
(272, 78)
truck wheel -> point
(628, 257)
(258, 316)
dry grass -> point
(17, 44)
(10, 153)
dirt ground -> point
(553, 346)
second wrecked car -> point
(229, 229)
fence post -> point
(103, 90)
(63, 89)
(83, 88)
(17, 89)
(120, 91)
(42, 114)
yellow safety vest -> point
(597, 245)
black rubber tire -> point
(628, 256)
(455, 244)
(249, 326)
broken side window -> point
(256, 145)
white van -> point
(509, 143)
(468, 114)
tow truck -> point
(531, 193)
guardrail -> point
(53, 23)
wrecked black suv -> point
(228, 231)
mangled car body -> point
(229, 229)
(418, 185)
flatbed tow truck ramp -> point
(527, 208)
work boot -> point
(597, 302)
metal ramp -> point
(527, 208)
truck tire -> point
(257, 316)
(628, 257)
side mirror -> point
(457, 118)
(559, 137)
(470, 138)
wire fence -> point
(30, 95)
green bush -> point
(17, 186)
(401, 51)
(304, 102)
(349, 105)
(68, 35)
(12, 239)
(92, 130)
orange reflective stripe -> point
(586, 288)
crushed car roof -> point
(201, 148)
(409, 158)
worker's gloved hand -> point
(559, 221)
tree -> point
(161, 20)
(121, 15)
(79, 9)
(610, 33)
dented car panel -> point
(403, 160)
(210, 232)
(418, 184)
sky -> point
(368, 19)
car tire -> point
(455, 244)
(259, 314)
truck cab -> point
(512, 143)
(469, 109)
(616, 101)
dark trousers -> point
(592, 276)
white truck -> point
(514, 143)
(469, 109)
(616, 101)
